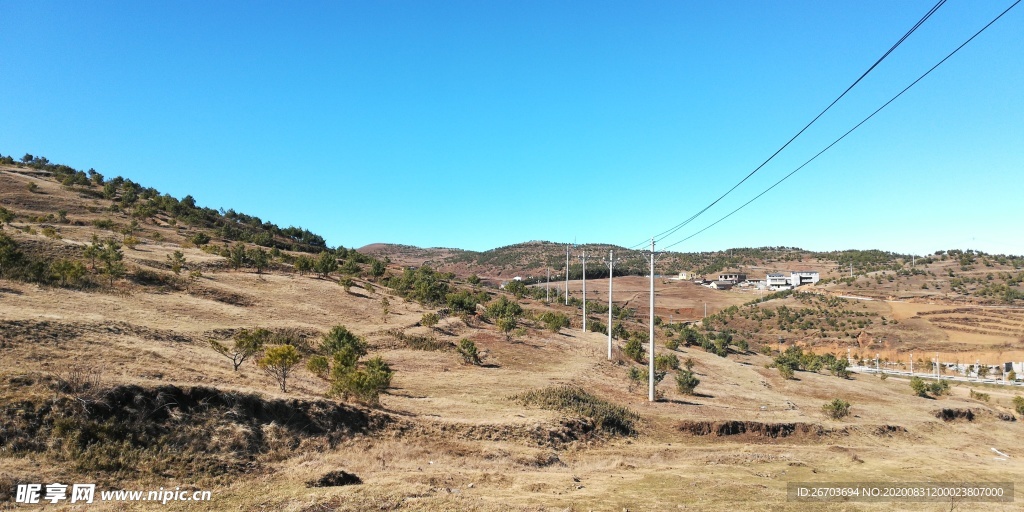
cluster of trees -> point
(795, 359)
(104, 257)
(338, 361)
(505, 314)
(144, 202)
(923, 388)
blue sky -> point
(481, 124)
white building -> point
(776, 281)
(802, 277)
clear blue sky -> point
(478, 124)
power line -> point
(851, 130)
(669, 232)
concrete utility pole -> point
(566, 274)
(650, 370)
(547, 288)
(911, 364)
(611, 277)
(584, 258)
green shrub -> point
(977, 395)
(686, 382)
(364, 384)
(199, 239)
(467, 349)
(836, 409)
(553, 321)
(786, 372)
(429, 319)
(672, 344)
(634, 349)
(1018, 404)
(319, 366)
(666, 362)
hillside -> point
(109, 374)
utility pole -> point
(611, 277)
(547, 288)
(911, 364)
(650, 370)
(566, 274)
(584, 258)
(851, 269)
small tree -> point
(6, 216)
(304, 264)
(919, 386)
(516, 288)
(468, 351)
(635, 350)
(1018, 404)
(10, 255)
(259, 259)
(686, 382)
(385, 308)
(246, 344)
(377, 268)
(507, 325)
(199, 239)
(836, 409)
(32, 187)
(429, 320)
(177, 261)
(342, 341)
(666, 362)
(347, 283)
(364, 384)
(278, 363)
(325, 264)
(237, 255)
(473, 280)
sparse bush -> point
(553, 321)
(177, 261)
(32, 187)
(199, 239)
(634, 349)
(364, 384)
(347, 283)
(468, 351)
(836, 409)
(278, 363)
(786, 372)
(666, 362)
(507, 325)
(686, 381)
(605, 415)
(516, 288)
(473, 280)
(1018, 404)
(385, 309)
(977, 395)
(504, 308)
(429, 319)
(319, 366)
(343, 345)
(672, 344)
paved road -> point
(903, 373)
